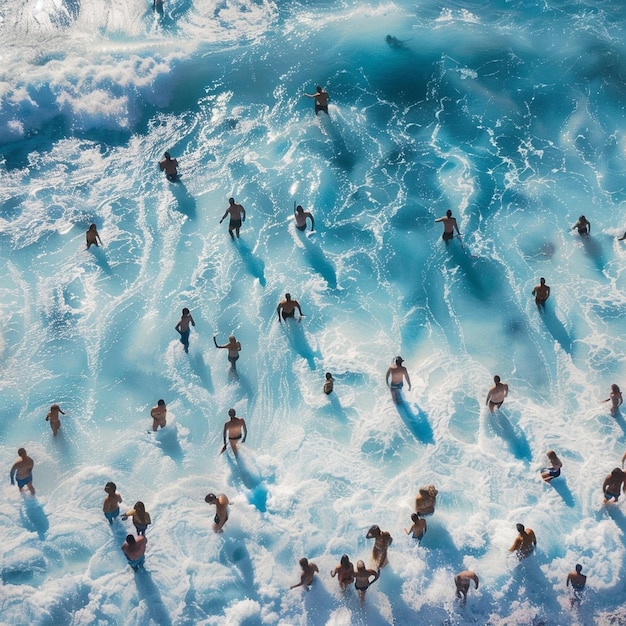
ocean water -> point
(509, 113)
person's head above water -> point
(231, 412)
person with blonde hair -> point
(362, 578)
(426, 500)
(548, 473)
(53, 418)
(308, 573)
(93, 237)
(233, 346)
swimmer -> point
(233, 347)
(237, 217)
(22, 470)
(168, 164)
(182, 328)
(53, 418)
(362, 579)
(613, 483)
(426, 500)
(398, 373)
(93, 237)
(615, 398)
(221, 510)
(344, 572)
(321, 99)
(525, 542)
(418, 528)
(462, 581)
(541, 293)
(449, 226)
(308, 573)
(548, 473)
(233, 429)
(158, 414)
(496, 395)
(134, 548)
(578, 581)
(287, 308)
(141, 517)
(583, 225)
(382, 541)
(301, 215)
(111, 506)
(329, 384)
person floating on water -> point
(496, 395)
(168, 164)
(329, 384)
(53, 418)
(525, 542)
(111, 506)
(541, 293)
(93, 237)
(22, 472)
(418, 527)
(614, 483)
(141, 517)
(234, 428)
(158, 414)
(362, 579)
(344, 572)
(554, 471)
(221, 510)
(577, 580)
(233, 347)
(398, 373)
(382, 541)
(182, 328)
(134, 548)
(287, 308)
(462, 582)
(321, 99)
(237, 217)
(308, 573)
(449, 226)
(301, 217)
(583, 225)
(615, 398)
(426, 500)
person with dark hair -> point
(615, 398)
(234, 428)
(53, 418)
(141, 517)
(111, 506)
(525, 542)
(382, 541)
(541, 293)
(583, 225)
(578, 581)
(221, 510)
(134, 548)
(398, 373)
(287, 308)
(344, 572)
(158, 414)
(418, 528)
(496, 395)
(237, 217)
(301, 215)
(462, 582)
(93, 237)
(169, 164)
(614, 483)
(449, 226)
(308, 573)
(182, 328)
(321, 99)
(22, 472)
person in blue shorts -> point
(22, 471)
(397, 372)
(111, 506)
(183, 328)
(134, 548)
(613, 484)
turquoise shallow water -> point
(509, 114)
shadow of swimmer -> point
(300, 344)
(318, 261)
(149, 591)
(34, 517)
(515, 437)
(251, 478)
(254, 264)
(557, 330)
(415, 420)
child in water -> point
(141, 518)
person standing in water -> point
(541, 293)
(578, 581)
(449, 226)
(362, 579)
(426, 500)
(496, 395)
(182, 328)
(321, 99)
(53, 418)
(418, 528)
(233, 347)
(615, 398)
(301, 216)
(525, 542)
(93, 237)
(398, 373)
(462, 582)
(168, 164)
(583, 225)
(158, 414)
(134, 548)
(549, 473)
(613, 485)
(308, 573)
(141, 517)
(234, 428)
(237, 217)
(329, 384)
(344, 572)
(382, 541)
(22, 471)
(221, 510)
(287, 308)
(111, 506)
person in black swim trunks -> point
(583, 225)
(221, 510)
(287, 308)
(321, 99)
(449, 226)
(237, 217)
(362, 579)
(301, 215)
(233, 429)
